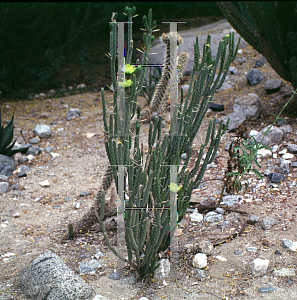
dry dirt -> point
(82, 162)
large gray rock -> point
(273, 136)
(7, 165)
(42, 131)
(249, 105)
(236, 118)
(48, 277)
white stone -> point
(16, 214)
(274, 148)
(288, 156)
(200, 261)
(76, 205)
(284, 272)
(221, 258)
(54, 155)
(30, 157)
(9, 254)
(264, 153)
(283, 152)
(44, 183)
(254, 132)
(163, 270)
(81, 86)
(259, 266)
(196, 217)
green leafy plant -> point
(148, 186)
(6, 137)
(243, 154)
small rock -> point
(54, 155)
(213, 217)
(242, 60)
(284, 272)
(184, 156)
(251, 249)
(76, 205)
(276, 177)
(89, 267)
(51, 91)
(259, 64)
(219, 210)
(274, 135)
(233, 70)
(81, 86)
(16, 214)
(264, 153)
(33, 150)
(196, 217)
(44, 183)
(265, 242)
(3, 178)
(216, 107)
(292, 148)
(114, 276)
(254, 132)
(200, 273)
(7, 165)
(286, 128)
(289, 244)
(42, 131)
(185, 87)
(254, 77)
(266, 289)
(205, 246)
(200, 261)
(67, 199)
(99, 254)
(230, 200)
(22, 171)
(268, 223)
(163, 270)
(34, 140)
(294, 164)
(30, 157)
(277, 252)
(4, 187)
(259, 266)
(237, 252)
(73, 113)
(235, 119)
(48, 149)
(272, 85)
(83, 194)
(224, 87)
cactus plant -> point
(271, 28)
(147, 181)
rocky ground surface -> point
(33, 214)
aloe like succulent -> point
(6, 137)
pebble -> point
(83, 194)
(48, 149)
(259, 266)
(44, 183)
(4, 187)
(272, 85)
(76, 205)
(213, 217)
(251, 249)
(184, 156)
(200, 273)
(268, 223)
(89, 267)
(236, 252)
(289, 244)
(67, 199)
(42, 131)
(196, 217)
(34, 140)
(294, 164)
(22, 171)
(34, 150)
(99, 254)
(252, 219)
(81, 86)
(54, 155)
(114, 276)
(254, 77)
(266, 289)
(219, 210)
(4, 178)
(100, 297)
(284, 272)
(292, 148)
(16, 214)
(200, 261)
(276, 177)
